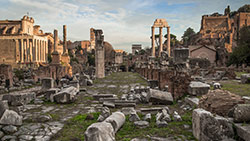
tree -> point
(173, 40)
(241, 54)
(245, 8)
(187, 35)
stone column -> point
(55, 40)
(153, 41)
(64, 39)
(160, 40)
(169, 51)
(25, 50)
(38, 50)
(22, 52)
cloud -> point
(123, 21)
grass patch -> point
(174, 129)
(75, 127)
(237, 88)
(238, 74)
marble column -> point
(22, 52)
(25, 50)
(160, 40)
(153, 41)
(64, 39)
(55, 40)
(168, 41)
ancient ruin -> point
(88, 88)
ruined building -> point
(22, 43)
(160, 23)
(136, 48)
(224, 27)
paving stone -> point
(243, 131)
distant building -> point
(136, 48)
(118, 56)
(203, 51)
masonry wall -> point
(8, 51)
(204, 53)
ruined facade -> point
(218, 26)
(203, 51)
(99, 54)
(118, 56)
(22, 43)
(92, 38)
(136, 48)
(160, 23)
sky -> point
(124, 22)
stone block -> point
(242, 113)
(192, 101)
(19, 99)
(245, 78)
(246, 99)
(10, 117)
(243, 131)
(208, 127)
(198, 88)
(67, 95)
(47, 83)
(49, 94)
(160, 97)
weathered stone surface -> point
(109, 104)
(242, 113)
(9, 129)
(243, 131)
(219, 101)
(26, 137)
(19, 99)
(161, 124)
(117, 119)
(152, 110)
(246, 99)
(128, 110)
(198, 88)
(104, 114)
(47, 83)
(192, 101)
(1, 134)
(101, 131)
(147, 117)
(141, 124)
(208, 127)
(216, 86)
(10, 117)
(160, 97)
(125, 103)
(9, 138)
(98, 96)
(245, 78)
(49, 94)
(176, 116)
(134, 117)
(67, 95)
(2, 107)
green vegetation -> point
(237, 88)
(91, 59)
(238, 74)
(241, 54)
(176, 129)
(75, 127)
(187, 35)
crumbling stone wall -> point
(6, 71)
(176, 81)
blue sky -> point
(124, 22)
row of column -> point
(160, 41)
(33, 50)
